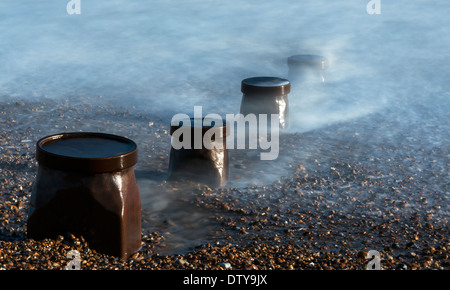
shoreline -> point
(373, 183)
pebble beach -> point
(378, 182)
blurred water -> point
(160, 58)
(167, 56)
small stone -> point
(362, 254)
(181, 262)
(225, 265)
(423, 200)
(402, 266)
(411, 245)
(395, 246)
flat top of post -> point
(309, 60)
(266, 85)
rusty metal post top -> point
(265, 85)
(86, 152)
